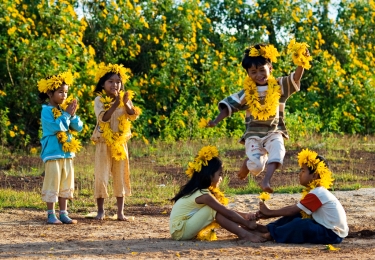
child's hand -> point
(264, 211)
(117, 99)
(211, 123)
(126, 97)
(72, 107)
(260, 215)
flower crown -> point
(117, 69)
(309, 158)
(268, 52)
(54, 82)
(204, 156)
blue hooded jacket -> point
(51, 148)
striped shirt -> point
(261, 128)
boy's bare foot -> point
(244, 171)
(265, 186)
(100, 215)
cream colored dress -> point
(105, 164)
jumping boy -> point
(263, 97)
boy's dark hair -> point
(99, 86)
(322, 159)
(248, 61)
(200, 180)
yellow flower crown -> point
(268, 52)
(309, 158)
(114, 68)
(54, 82)
(204, 155)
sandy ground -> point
(24, 235)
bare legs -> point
(101, 212)
(241, 232)
(244, 171)
(120, 208)
(265, 183)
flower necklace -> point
(74, 145)
(117, 140)
(325, 180)
(271, 101)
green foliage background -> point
(185, 57)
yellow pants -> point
(106, 165)
(58, 180)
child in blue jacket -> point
(59, 123)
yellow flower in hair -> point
(269, 52)
(114, 68)
(254, 52)
(309, 158)
(204, 155)
(54, 82)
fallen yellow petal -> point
(331, 248)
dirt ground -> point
(24, 235)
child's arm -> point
(128, 105)
(224, 112)
(107, 114)
(229, 214)
(75, 122)
(265, 212)
(299, 70)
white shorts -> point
(269, 149)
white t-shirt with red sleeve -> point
(325, 209)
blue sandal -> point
(52, 219)
(66, 220)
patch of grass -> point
(353, 186)
(20, 199)
(151, 187)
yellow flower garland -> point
(308, 158)
(258, 111)
(74, 145)
(117, 140)
(205, 155)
